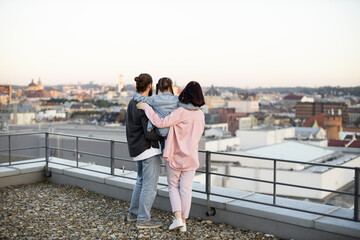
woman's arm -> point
(168, 121)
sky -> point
(239, 43)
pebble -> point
(51, 211)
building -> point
(223, 113)
(244, 106)
(36, 91)
(310, 133)
(216, 133)
(50, 115)
(315, 121)
(214, 102)
(5, 94)
(233, 121)
(297, 173)
(262, 137)
(112, 117)
(353, 143)
(81, 107)
(50, 105)
(354, 115)
(35, 87)
(291, 99)
(212, 92)
(305, 110)
(223, 126)
(245, 123)
(213, 99)
(121, 83)
(333, 126)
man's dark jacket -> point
(138, 137)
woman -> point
(181, 148)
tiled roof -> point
(306, 131)
(292, 96)
(319, 119)
(342, 143)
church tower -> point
(121, 83)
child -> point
(163, 103)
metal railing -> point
(208, 173)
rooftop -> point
(293, 151)
(46, 210)
(306, 131)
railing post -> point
(77, 152)
(210, 211)
(274, 184)
(112, 156)
(47, 173)
(356, 195)
(9, 150)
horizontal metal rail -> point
(80, 152)
(89, 138)
(14, 164)
(19, 134)
(279, 160)
(19, 149)
(281, 183)
(90, 154)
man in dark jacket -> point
(144, 149)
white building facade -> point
(262, 137)
(244, 106)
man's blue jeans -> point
(146, 186)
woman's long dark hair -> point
(142, 81)
(193, 94)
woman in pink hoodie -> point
(181, 148)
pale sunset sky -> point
(240, 43)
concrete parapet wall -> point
(280, 222)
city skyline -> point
(244, 44)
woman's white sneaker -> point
(183, 228)
(177, 223)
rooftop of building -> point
(46, 210)
(344, 143)
(306, 131)
(292, 96)
(266, 128)
(294, 151)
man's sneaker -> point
(177, 223)
(149, 224)
(131, 217)
(183, 228)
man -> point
(144, 149)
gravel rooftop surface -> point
(50, 211)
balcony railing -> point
(208, 173)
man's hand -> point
(141, 105)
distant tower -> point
(39, 85)
(333, 125)
(121, 83)
(175, 89)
